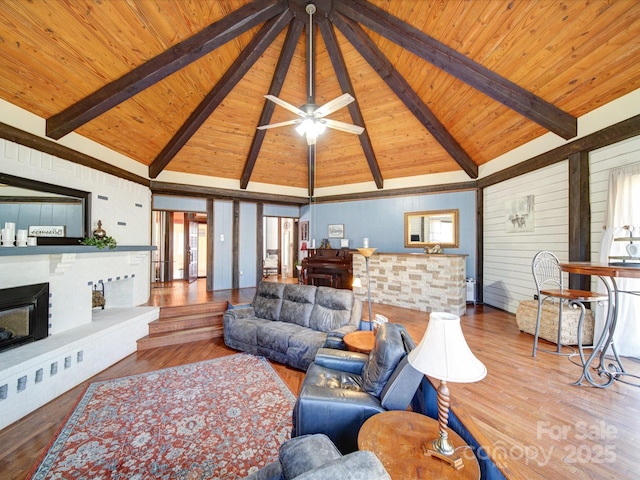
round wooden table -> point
(398, 439)
(359, 341)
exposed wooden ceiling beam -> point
(372, 54)
(446, 58)
(340, 67)
(163, 65)
(288, 49)
(231, 77)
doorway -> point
(181, 242)
(280, 234)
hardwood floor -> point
(526, 413)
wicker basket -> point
(526, 320)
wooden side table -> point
(359, 341)
(397, 438)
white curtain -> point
(623, 208)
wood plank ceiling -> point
(440, 86)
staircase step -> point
(179, 337)
(194, 309)
(173, 324)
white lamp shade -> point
(443, 352)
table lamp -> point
(443, 354)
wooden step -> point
(174, 324)
(184, 323)
(193, 309)
(179, 337)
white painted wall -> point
(123, 206)
(601, 162)
(507, 256)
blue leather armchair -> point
(342, 389)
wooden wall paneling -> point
(507, 257)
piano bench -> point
(333, 279)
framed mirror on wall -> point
(426, 229)
(28, 202)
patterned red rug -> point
(218, 419)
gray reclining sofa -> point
(314, 457)
(288, 323)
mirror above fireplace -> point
(429, 228)
(28, 202)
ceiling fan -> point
(312, 121)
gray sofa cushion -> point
(362, 465)
(297, 304)
(268, 300)
(315, 457)
(388, 350)
(332, 309)
(275, 335)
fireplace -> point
(24, 314)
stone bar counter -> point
(425, 282)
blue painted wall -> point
(248, 241)
(223, 248)
(382, 221)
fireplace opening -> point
(24, 315)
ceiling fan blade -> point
(333, 105)
(286, 105)
(342, 126)
(279, 124)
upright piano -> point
(329, 267)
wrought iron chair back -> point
(550, 285)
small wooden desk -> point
(397, 439)
(359, 341)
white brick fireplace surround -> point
(82, 340)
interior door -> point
(192, 251)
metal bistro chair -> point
(547, 274)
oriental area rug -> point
(217, 419)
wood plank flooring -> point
(526, 413)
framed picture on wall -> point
(336, 230)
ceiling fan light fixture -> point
(320, 126)
(305, 126)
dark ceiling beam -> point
(340, 67)
(182, 189)
(286, 54)
(163, 65)
(252, 52)
(372, 54)
(454, 63)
